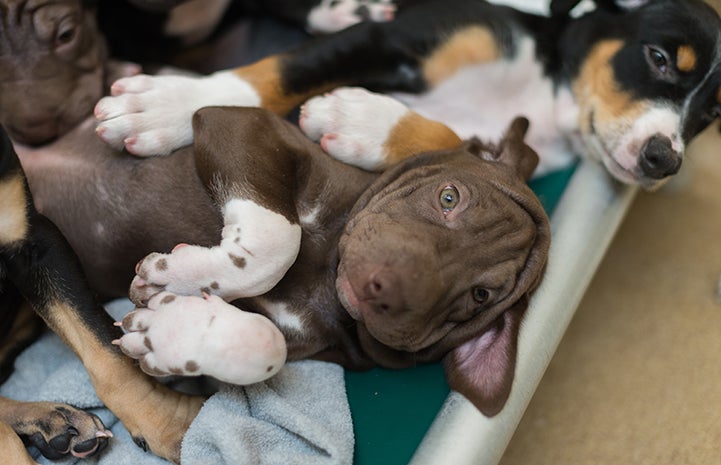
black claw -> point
(140, 442)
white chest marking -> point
(309, 217)
(281, 316)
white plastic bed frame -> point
(584, 222)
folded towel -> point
(300, 416)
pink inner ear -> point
(482, 369)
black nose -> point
(384, 292)
(659, 159)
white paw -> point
(352, 124)
(257, 247)
(334, 15)
(184, 271)
(152, 115)
(192, 336)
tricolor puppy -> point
(433, 259)
(628, 83)
(40, 272)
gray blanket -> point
(300, 416)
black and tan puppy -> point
(39, 271)
(629, 84)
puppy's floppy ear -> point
(514, 152)
(482, 369)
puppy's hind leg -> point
(371, 131)
(192, 336)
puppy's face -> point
(51, 67)
(647, 86)
(440, 248)
(437, 248)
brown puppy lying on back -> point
(433, 259)
(469, 246)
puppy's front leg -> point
(369, 130)
(244, 158)
(258, 246)
(152, 115)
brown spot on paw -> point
(148, 343)
(127, 322)
(237, 261)
(151, 370)
(167, 299)
(161, 265)
(191, 366)
(177, 371)
(215, 285)
(269, 369)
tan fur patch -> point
(414, 134)
(167, 299)
(470, 45)
(13, 449)
(13, 218)
(596, 88)
(686, 58)
(265, 77)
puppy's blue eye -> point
(449, 198)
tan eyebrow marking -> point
(686, 58)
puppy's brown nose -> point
(384, 293)
(659, 159)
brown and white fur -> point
(123, 208)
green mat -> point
(392, 410)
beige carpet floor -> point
(637, 377)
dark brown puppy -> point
(434, 259)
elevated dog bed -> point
(410, 416)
